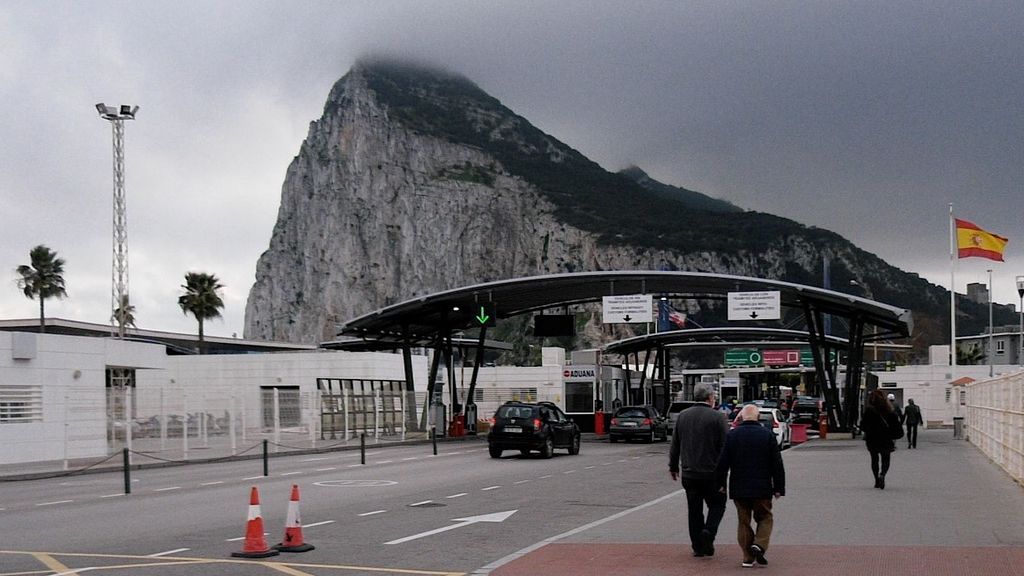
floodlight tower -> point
(119, 271)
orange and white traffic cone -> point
(255, 542)
(293, 527)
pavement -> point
(946, 509)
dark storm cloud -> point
(864, 118)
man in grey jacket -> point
(697, 442)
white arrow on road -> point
(494, 517)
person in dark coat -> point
(752, 461)
(697, 441)
(874, 423)
(912, 418)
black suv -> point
(806, 410)
(527, 426)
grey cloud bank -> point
(864, 118)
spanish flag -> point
(973, 241)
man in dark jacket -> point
(753, 464)
(697, 440)
(912, 418)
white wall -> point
(70, 371)
(927, 385)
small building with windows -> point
(1004, 347)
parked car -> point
(806, 410)
(772, 419)
(638, 422)
(673, 412)
(526, 426)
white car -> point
(772, 419)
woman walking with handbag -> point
(874, 423)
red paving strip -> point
(675, 560)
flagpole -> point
(952, 295)
(991, 350)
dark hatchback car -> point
(806, 410)
(638, 422)
(527, 426)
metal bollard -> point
(362, 448)
(433, 439)
(127, 473)
(266, 465)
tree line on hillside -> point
(43, 278)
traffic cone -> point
(255, 543)
(293, 527)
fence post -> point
(312, 419)
(184, 424)
(433, 438)
(362, 448)
(163, 421)
(344, 409)
(128, 420)
(231, 427)
(266, 464)
(277, 420)
(376, 415)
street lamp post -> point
(119, 269)
(1020, 342)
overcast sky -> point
(865, 118)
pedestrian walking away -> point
(752, 462)
(895, 407)
(912, 418)
(874, 423)
(697, 441)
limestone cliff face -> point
(376, 210)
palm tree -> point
(43, 278)
(125, 311)
(201, 299)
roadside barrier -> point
(293, 541)
(255, 542)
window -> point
(579, 397)
(1000, 347)
(20, 404)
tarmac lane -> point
(946, 509)
(25, 563)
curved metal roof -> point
(420, 319)
(716, 336)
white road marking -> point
(372, 513)
(459, 495)
(291, 473)
(489, 488)
(569, 472)
(253, 478)
(52, 503)
(421, 503)
(588, 467)
(546, 476)
(607, 464)
(326, 469)
(166, 489)
(521, 481)
(318, 523)
(314, 459)
(384, 461)
(496, 517)
(175, 551)
(111, 495)
(354, 465)
(211, 484)
(413, 458)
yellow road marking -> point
(50, 562)
(48, 559)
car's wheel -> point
(495, 451)
(574, 447)
(650, 439)
(524, 451)
(549, 447)
(612, 439)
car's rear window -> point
(515, 412)
(680, 406)
(631, 413)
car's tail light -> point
(775, 423)
(615, 421)
(647, 422)
(536, 423)
(491, 420)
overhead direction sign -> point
(627, 309)
(766, 305)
